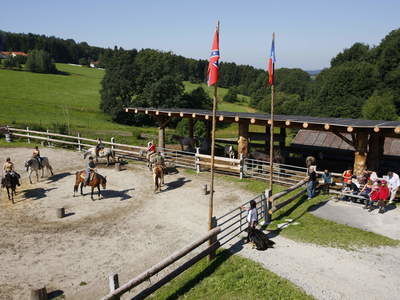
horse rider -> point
(36, 155)
(90, 167)
(151, 149)
(99, 146)
(8, 168)
(160, 161)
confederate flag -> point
(213, 64)
(271, 63)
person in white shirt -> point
(393, 184)
(252, 218)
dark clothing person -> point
(311, 184)
(89, 167)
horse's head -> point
(27, 164)
(104, 182)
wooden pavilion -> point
(367, 137)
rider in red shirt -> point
(151, 149)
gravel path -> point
(351, 214)
(330, 273)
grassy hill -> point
(48, 101)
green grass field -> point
(229, 277)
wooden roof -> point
(306, 122)
(329, 140)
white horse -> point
(32, 165)
(105, 152)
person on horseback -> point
(151, 149)
(99, 146)
(160, 160)
(8, 168)
(90, 167)
(36, 155)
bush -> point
(39, 61)
(231, 96)
(11, 62)
(380, 106)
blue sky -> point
(308, 33)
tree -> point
(380, 107)
(84, 61)
(39, 61)
(231, 96)
(197, 99)
(358, 52)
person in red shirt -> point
(373, 197)
(347, 175)
(151, 149)
(384, 194)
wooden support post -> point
(113, 283)
(282, 138)
(197, 160)
(27, 133)
(79, 142)
(267, 138)
(243, 142)
(112, 143)
(191, 130)
(60, 212)
(39, 294)
(213, 238)
(360, 155)
(266, 206)
(161, 137)
(241, 165)
(376, 144)
(48, 138)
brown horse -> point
(10, 182)
(158, 177)
(95, 182)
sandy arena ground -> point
(127, 231)
(131, 229)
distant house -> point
(6, 54)
(94, 64)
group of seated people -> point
(371, 189)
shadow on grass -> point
(221, 257)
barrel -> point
(8, 138)
(61, 212)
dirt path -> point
(126, 232)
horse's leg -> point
(81, 188)
(37, 175)
(155, 182)
(42, 172)
(8, 193)
(91, 195)
(98, 189)
(108, 160)
(29, 175)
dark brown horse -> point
(10, 182)
(95, 182)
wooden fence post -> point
(213, 239)
(39, 294)
(267, 206)
(48, 138)
(197, 160)
(241, 165)
(112, 143)
(113, 283)
(79, 142)
(27, 133)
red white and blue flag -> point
(213, 65)
(271, 63)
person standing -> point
(327, 177)
(312, 182)
(99, 146)
(393, 184)
(252, 219)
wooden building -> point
(367, 137)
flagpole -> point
(214, 122)
(271, 142)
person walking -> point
(393, 184)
